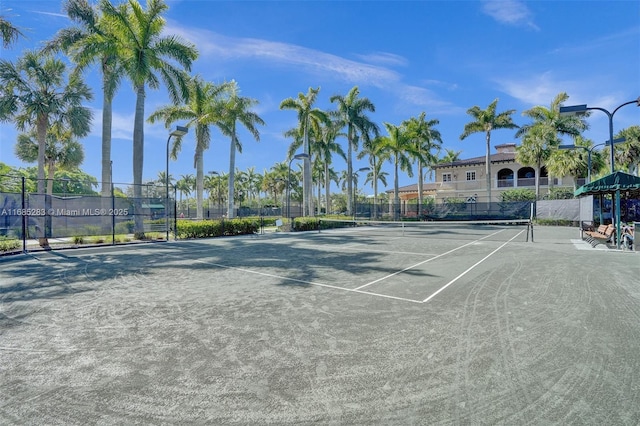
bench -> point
(604, 234)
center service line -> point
(468, 270)
(428, 260)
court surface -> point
(336, 327)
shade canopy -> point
(610, 184)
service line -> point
(468, 270)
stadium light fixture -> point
(178, 132)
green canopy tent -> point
(613, 184)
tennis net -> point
(497, 230)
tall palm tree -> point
(35, 93)
(308, 118)
(485, 121)
(426, 139)
(399, 149)
(352, 112)
(535, 150)
(8, 33)
(147, 57)
(88, 43)
(236, 110)
(200, 110)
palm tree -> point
(147, 57)
(399, 149)
(450, 156)
(36, 93)
(535, 150)
(485, 121)
(325, 145)
(62, 151)
(372, 150)
(628, 155)
(557, 125)
(237, 109)
(88, 43)
(575, 162)
(8, 33)
(426, 138)
(308, 118)
(352, 113)
(200, 111)
(185, 184)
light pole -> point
(589, 151)
(355, 189)
(179, 131)
(295, 157)
(582, 109)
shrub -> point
(216, 228)
(9, 244)
(523, 194)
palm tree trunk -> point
(488, 169)
(420, 180)
(107, 179)
(396, 191)
(327, 188)
(41, 128)
(232, 168)
(199, 182)
(349, 172)
(138, 161)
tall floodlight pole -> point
(179, 131)
(295, 157)
(582, 109)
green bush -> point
(9, 244)
(523, 194)
(559, 194)
(217, 228)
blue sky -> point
(440, 57)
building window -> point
(471, 175)
(446, 177)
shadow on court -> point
(323, 328)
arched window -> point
(526, 177)
(505, 178)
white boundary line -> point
(429, 260)
(306, 282)
(468, 270)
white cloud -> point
(510, 12)
(384, 58)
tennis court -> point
(344, 326)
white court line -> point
(468, 270)
(428, 260)
(265, 274)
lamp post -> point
(355, 189)
(582, 109)
(179, 131)
(295, 157)
(589, 151)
